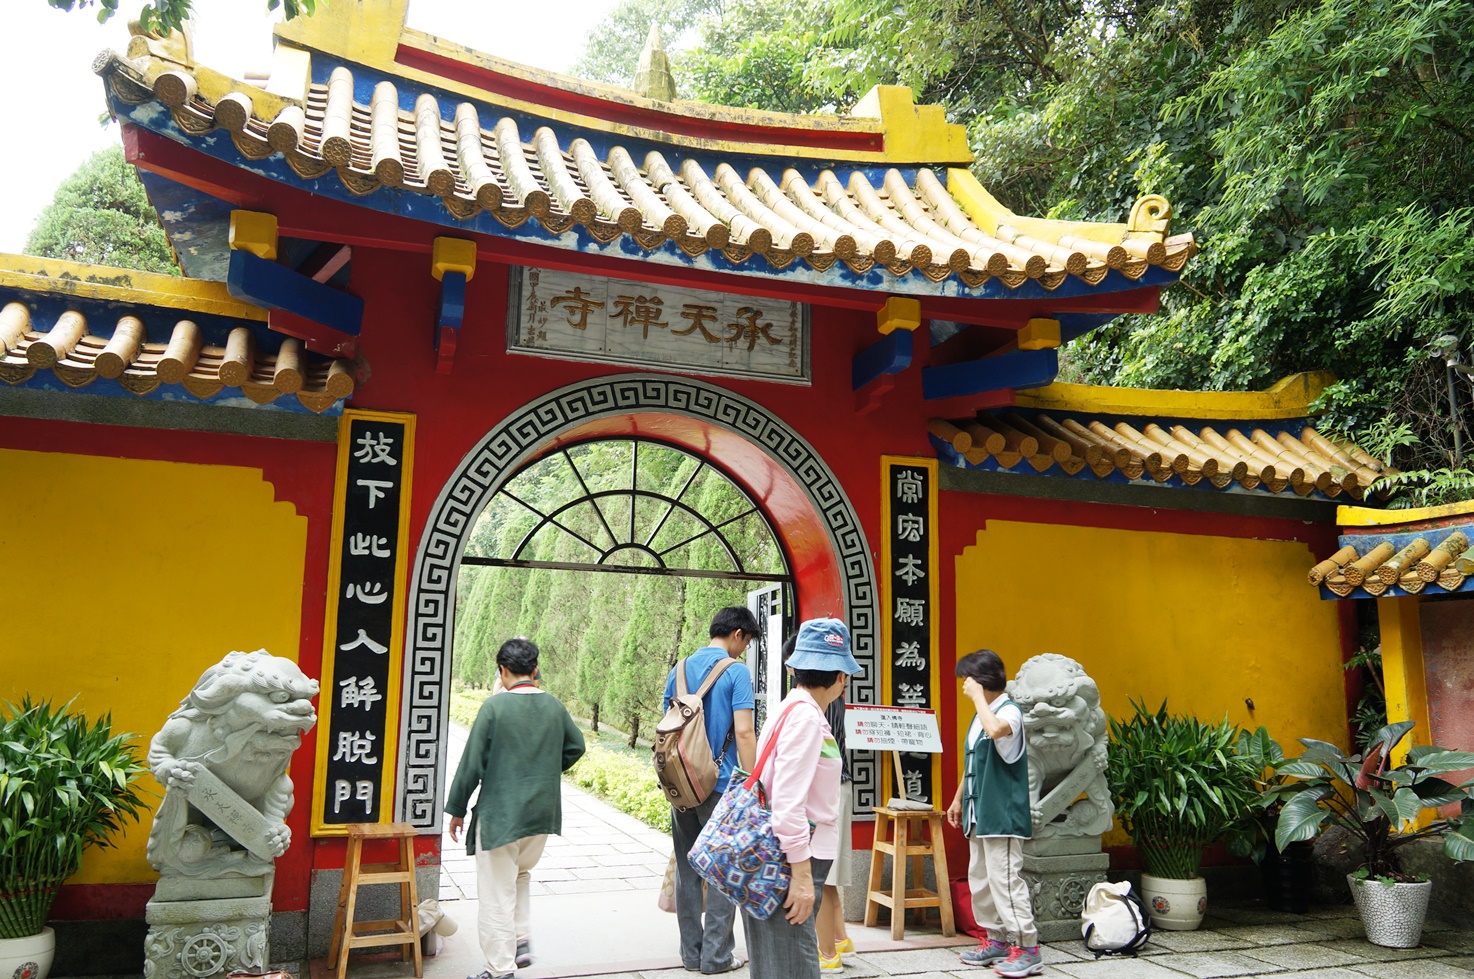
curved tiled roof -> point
(77, 357)
(473, 164)
(1435, 558)
(1250, 457)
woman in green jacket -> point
(520, 745)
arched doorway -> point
(800, 495)
(583, 535)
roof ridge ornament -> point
(653, 78)
(176, 45)
(1150, 215)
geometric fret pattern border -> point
(431, 627)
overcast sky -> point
(50, 101)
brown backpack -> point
(685, 766)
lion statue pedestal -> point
(1068, 793)
(222, 758)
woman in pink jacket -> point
(802, 785)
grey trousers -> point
(706, 945)
(779, 950)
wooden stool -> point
(898, 832)
(349, 934)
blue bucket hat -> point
(824, 644)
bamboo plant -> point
(65, 785)
(1253, 836)
(1178, 786)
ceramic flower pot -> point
(1288, 878)
(1392, 914)
(1175, 905)
(29, 957)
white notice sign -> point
(891, 729)
(584, 317)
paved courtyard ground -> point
(594, 914)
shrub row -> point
(464, 703)
(627, 783)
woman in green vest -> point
(991, 808)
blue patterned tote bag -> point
(737, 851)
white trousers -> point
(503, 879)
(1000, 898)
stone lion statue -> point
(239, 725)
(1066, 733)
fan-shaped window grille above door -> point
(630, 506)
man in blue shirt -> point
(707, 946)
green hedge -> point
(625, 782)
(464, 703)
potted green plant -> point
(1287, 874)
(65, 785)
(1382, 807)
(1178, 786)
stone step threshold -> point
(390, 965)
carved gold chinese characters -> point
(646, 311)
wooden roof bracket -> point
(255, 277)
(873, 370)
(1020, 369)
(453, 262)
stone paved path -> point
(601, 850)
(594, 914)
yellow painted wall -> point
(1204, 621)
(125, 579)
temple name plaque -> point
(582, 317)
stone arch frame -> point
(431, 621)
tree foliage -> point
(1320, 152)
(612, 48)
(1333, 201)
(755, 54)
(745, 53)
(170, 15)
(101, 216)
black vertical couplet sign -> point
(358, 716)
(909, 537)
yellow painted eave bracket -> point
(254, 232)
(915, 133)
(61, 278)
(365, 31)
(1039, 334)
(453, 255)
(898, 313)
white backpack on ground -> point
(1114, 920)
